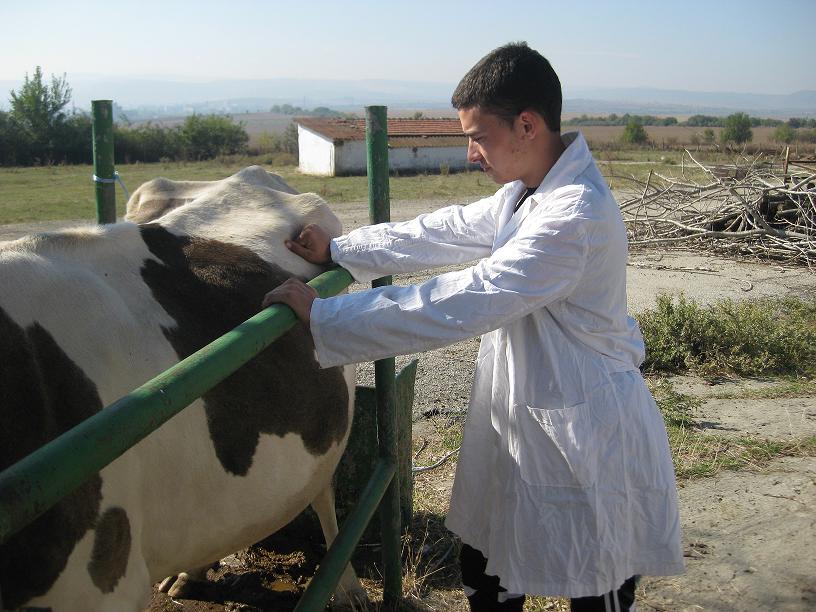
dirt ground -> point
(748, 535)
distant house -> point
(333, 147)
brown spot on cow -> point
(111, 549)
(43, 393)
(209, 287)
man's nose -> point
(473, 154)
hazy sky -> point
(708, 45)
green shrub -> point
(267, 142)
(207, 136)
(737, 129)
(749, 338)
(147, 143)
(634, 133)
(784, 133)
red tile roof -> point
(340, 130)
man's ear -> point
(531, 123)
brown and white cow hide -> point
(87, 315)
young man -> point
(564, 485)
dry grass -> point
(697, 455)
(66, 192)
(431, 578)
(430, 554)
(666, 135)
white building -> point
(334, 147)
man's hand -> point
(294, 293)
(312, 244)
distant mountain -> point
(669, 101)
(144, 98)
(251, 95)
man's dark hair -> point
(509, 80)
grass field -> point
(668, 135)
(66, 192)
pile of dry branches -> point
(750, 208)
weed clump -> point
(746, 338)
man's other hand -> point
(294, 293)
(312, 244)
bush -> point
(147, 143)
(15, 143)
(784, 133)
(267, 143)
(74, 140)
(38, 113)
(749, 338)
(704, 121)
(737, 129)
(286, 142)
(69, 141)
(634, 133)
(207, 136)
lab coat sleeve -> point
(451, 235)
(541, 264)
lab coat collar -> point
(573, 161)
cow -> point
(88, 314)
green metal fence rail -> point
(34, 484)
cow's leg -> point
(349, 592)
(183, 584)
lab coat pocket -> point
(557, 446)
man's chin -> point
(493, 176)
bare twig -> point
(743, 208)
(427, 468)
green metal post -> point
(379, 212)
(362, 452)
(103, 161)
(31, 486)
(331, 567)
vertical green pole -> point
(103, 161)
(379, 212)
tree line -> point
(736, 129)
(693, 121)
(39, 130)
(318, 111)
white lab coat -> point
(564, 480)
